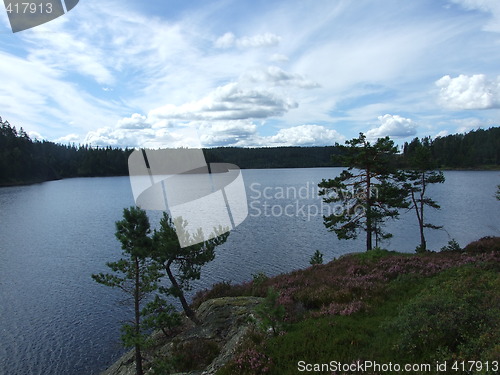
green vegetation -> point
(461, 151)
(23, 160)
(420, 174)
(317, 258)
(147, 259)
(384, 307)
(365, 193)
(135, 274)
(186, 261)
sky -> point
(253, 73)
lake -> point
(55, 319)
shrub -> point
(317, 258)
(453, 245)
(484, 244)
(271, 312)
(250, 358)
(440, 322)
(194, 355)
(258, 283)
(221, 289)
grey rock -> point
(225, 322)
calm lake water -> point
(55, 320)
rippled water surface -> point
(55, 320)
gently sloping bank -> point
(364, 310)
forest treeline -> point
(26, 160)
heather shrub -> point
(452, 318)
(484, 244)
(258, 283)
(194, 355)
(250, 358)
(221, 289)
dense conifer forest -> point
(24, 160)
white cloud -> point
(35, 135)
(228, 133)
(33, 94)
(278, 77)
(469, 92)
(393, 126)
(68, 139)
(229, 40)
(442, 133)
(467, 124)
(261, 40)
(136, 121)
(235, 133)
(186, 136)
(225, 41)
(487, 6)
(305, 135)
(229, 102)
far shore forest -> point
(24, 160)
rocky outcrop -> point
(225, 321)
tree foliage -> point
(135, 274)
(183, 265)
(477, 148)
(364, 194)
(415, 181)
(317, 258)
(23, 160)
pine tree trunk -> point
(369, 228)
(188, 310)
(138, 355)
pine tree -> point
(365, 194)
(183, 265)
(135, 274)
(415, 181)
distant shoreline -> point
(483, 168)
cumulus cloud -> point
(136, 121)
(229, 102)
(305, 135)
(278, 77)
(228, 133)
(393, 126)
(35, 135)
(229, 40)
(68, 139)
(235, 133)
(184, 136)
(469, 92)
